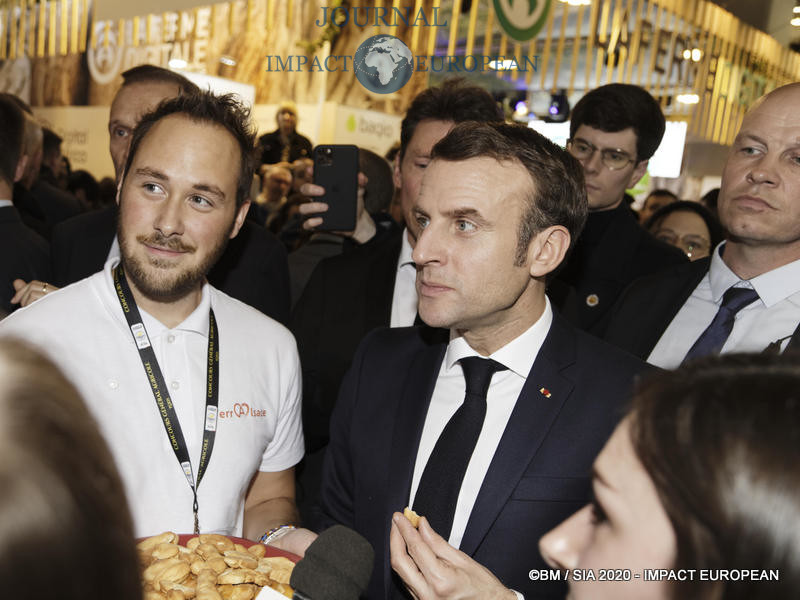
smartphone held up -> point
(336, 170)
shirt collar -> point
(4, 203)
(196, 322)
(772, 287)
(405, 251)
(720, 275)
(517, 356)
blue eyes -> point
(461, 226)
(465, 226)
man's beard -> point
(169, 283)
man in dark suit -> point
(372, 285)
(492, 471)
(253, 268)
(57, 203)
(29, 207)
(23, 253)
(284, 144)
(614, 130)
(745, 297)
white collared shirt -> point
(4, 203)
(404, 298)
(773, 316)
(518, 357)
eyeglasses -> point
(614, 159)
(692, 245)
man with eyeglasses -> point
(614, 130)
(745, 296)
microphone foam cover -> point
(336, 566)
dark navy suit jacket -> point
(642, 314)
(540, 473)
(646, 308)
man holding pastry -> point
(196, 393)
(491, 435)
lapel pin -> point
(545, 392)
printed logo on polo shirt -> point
(242, 410)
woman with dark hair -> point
(689, 226)
(65, 530)
(702, 480)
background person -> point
(702, 475)
(23, 252)
(65, 530)
(745, 296)
(284, 144)
(689, 226)
(655, 200)
(614, 130)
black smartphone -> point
(336, 169)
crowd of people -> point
(486, 347)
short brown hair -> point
(559, 193)
(64, 524)
(455, 100)
(618, 106)
(720, 438)
(154, 74)
(205, 107)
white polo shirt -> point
(82, 329)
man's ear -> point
(638, 173)
(241, 214)
(547, 250)
(396, 178)
(21, 164)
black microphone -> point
(337, 566)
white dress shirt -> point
(773, 316)
(404, 297)
(4, 203)
(448, 395)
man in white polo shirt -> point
(196, 393)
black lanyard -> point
(161, 395)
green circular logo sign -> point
(522, 19)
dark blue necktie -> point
(713, 338)
(441, 479)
